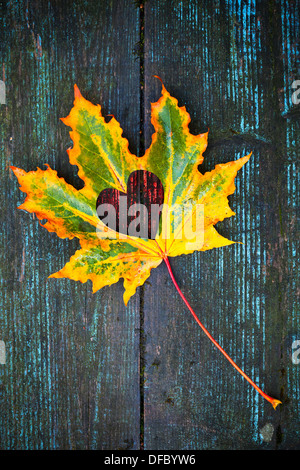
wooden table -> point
(82, 370)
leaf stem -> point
(273, 401)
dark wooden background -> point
(82, 371)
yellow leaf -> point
(104, 161)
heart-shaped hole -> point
(137, 212)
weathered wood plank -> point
(288, 44)
(223, 61)
(71, 378)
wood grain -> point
(227, 63)
(71, 380)
(82, 371)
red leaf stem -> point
(273, 401)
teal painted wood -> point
(71, 379)
(289, 240)
(231, 64)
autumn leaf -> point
(104, 160)
(102, 156)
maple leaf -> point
(102, 156)
(104, 160)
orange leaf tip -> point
(77, 93)
(275, 403)
(163, 86)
